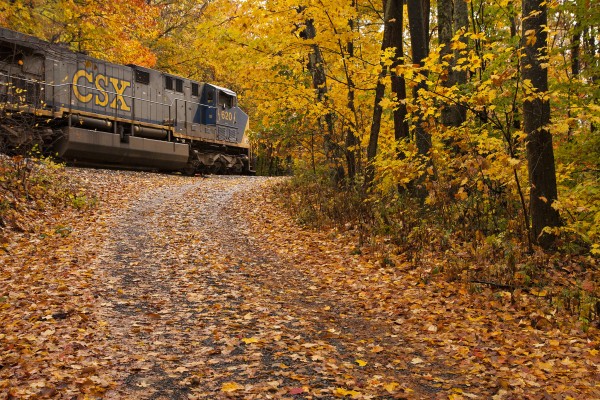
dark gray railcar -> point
(124, 115)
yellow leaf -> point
(361, 362)
(461, 194)
(567, 362)
(344, 392)
(539, 293)
(250, 340)
(458, 45)
(229, 387)
(391, 387)
(545, 366)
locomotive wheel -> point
(193, 165)
(218, 168)
(191, 168)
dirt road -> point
(200, 309)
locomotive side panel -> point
(230, 120)
(148, 103)
(85, 84)
(113, 120)
(173, 94)
(194, 110)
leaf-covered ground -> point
(182, 288)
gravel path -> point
(196, 308)
(172, 272)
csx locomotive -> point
(93, 111)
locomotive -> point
(91, 111)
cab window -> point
(168, 83)
(225, 100)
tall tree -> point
(536, 117)
(418, 21)
(461, 23)
(445, 11)
(452, 18)
(316, 65)
(398, 81)
(392, 18)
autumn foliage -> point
(307, 73)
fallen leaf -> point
(391, 387)
(344, 392)
(376, 349)
(229, 387)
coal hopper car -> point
(93, 111)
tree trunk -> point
(418, 21)
(575, 46)
(536, 117)
(445, 11)
(351, 139)
(575, 67)
(316, 67)
(392, 19)
(398, 82)
(461, 21)
(592, 58)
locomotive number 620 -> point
(227, 115)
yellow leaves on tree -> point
(118, 31)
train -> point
(90, 111)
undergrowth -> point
(479, 240)
(32, 186)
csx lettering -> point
(100, 82)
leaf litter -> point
(192, 288)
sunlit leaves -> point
(229, 387)
(341, 392)
(115, 31)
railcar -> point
(92, 111)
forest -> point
(483, 114)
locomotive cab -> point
(227, 124)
